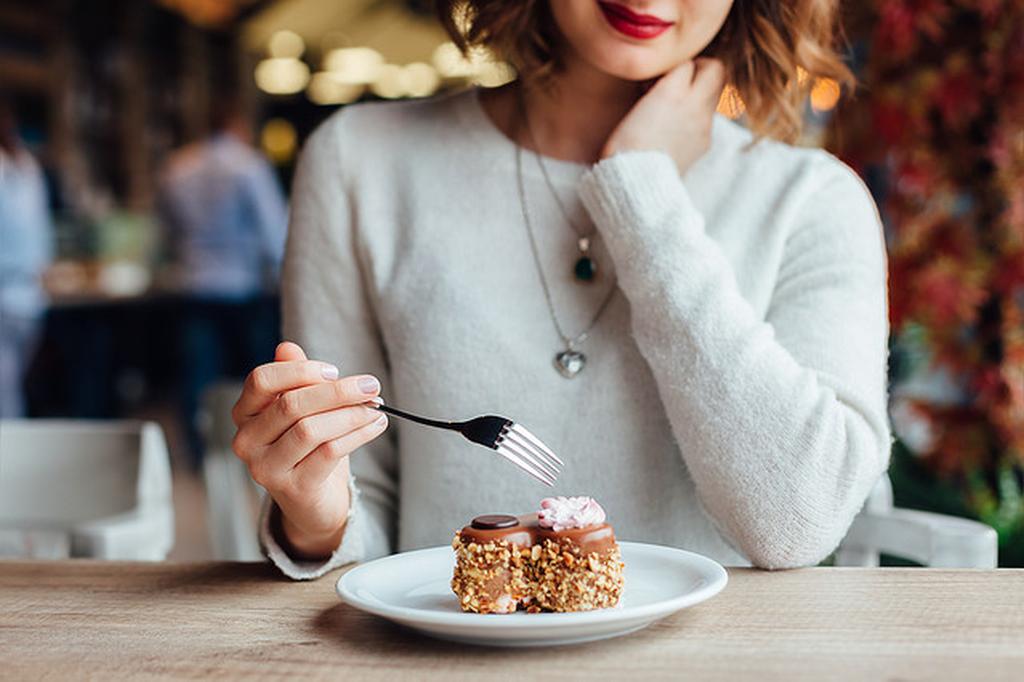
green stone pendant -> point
(585, 269)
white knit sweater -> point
(734, 399)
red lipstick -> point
(633, 24)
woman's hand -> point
(297, 424)
(675, 115)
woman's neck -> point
(572, 119)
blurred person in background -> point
(224, 218)
(26, 245)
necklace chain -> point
(570, 341)
(547, 178)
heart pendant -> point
(570, 362)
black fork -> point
(509, 439)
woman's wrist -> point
(305, 545)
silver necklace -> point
(585, 267)
(570, 361)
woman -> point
(718, 383)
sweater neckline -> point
(492, 140)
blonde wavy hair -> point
(773, 50)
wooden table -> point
(80, 619)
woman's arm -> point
(326, 309)
(781, 421)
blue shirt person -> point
(26, 249)
(224, 217)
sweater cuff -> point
(629, 196)
(351, 548)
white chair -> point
(229, 489)
(934, 540)
(73, 488)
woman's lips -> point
(632, 24)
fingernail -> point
(381, 420)
(369, 385)
(329, 372)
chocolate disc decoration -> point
(494, 521)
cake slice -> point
(579, 565)
(491, 567)
(562, 558)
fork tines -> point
(516, 444)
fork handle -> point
(412, 417)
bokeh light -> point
(279, 140)
(421, 79)
(391, 82)
(281, 75)
(450, 62)
(354, 65)
(325, 88)
(824, 94)
(285, 44)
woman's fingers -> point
(709, 78)
(319, 464)
(266, 382)
(704, 76)
(306, 435)
(681, 75)
(291, 406)
(673, 84)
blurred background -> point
(147, 146)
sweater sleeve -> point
(326, 308)
(781, 421)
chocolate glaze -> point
(528, 532)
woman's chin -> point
(633, 70)
(637, 75)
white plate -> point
(413, 589)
